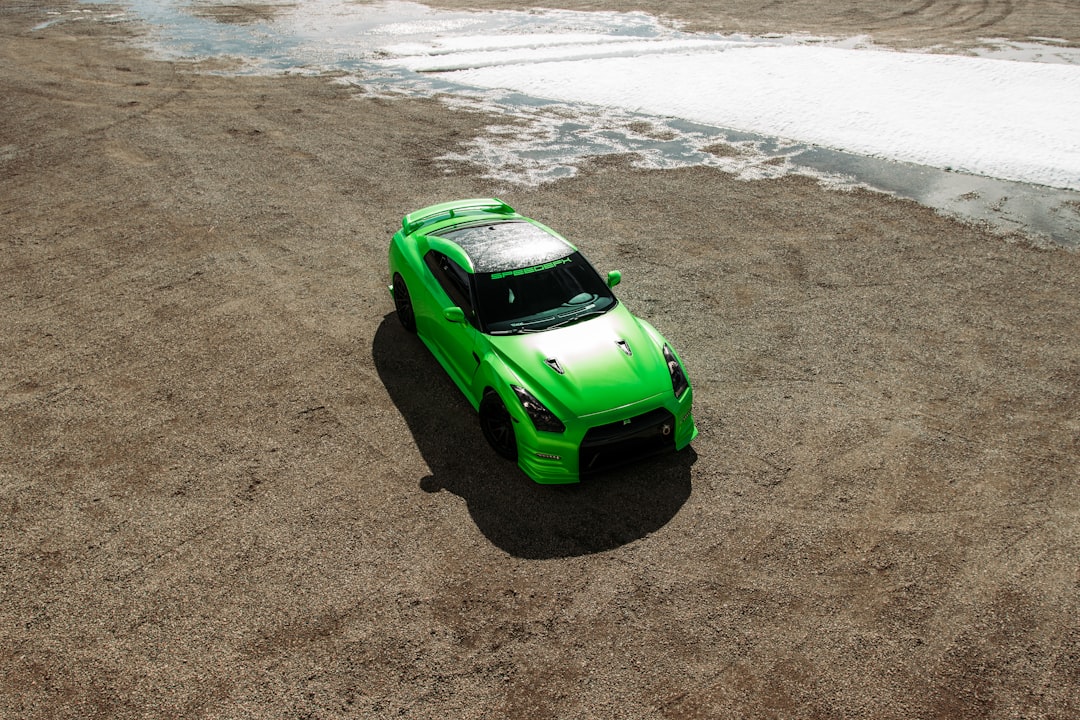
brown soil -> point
(231, 486)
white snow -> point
(1012, 113)
(1000, 118)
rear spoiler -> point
(457, 208)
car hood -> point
(606, 362)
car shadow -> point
(524, 519)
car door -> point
(456, 340)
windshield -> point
(540, 297)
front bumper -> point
(603, 441)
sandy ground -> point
(231, 486)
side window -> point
(454, 281)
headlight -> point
(679, 383)
(541, 417)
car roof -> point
(506, 244)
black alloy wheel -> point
(403, 304)
(497, 426)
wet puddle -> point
(377, 47)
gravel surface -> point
(231, 486)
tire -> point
(497, 426)
(403, 304)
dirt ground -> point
(231, 486)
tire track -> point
(945, 18)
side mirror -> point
(614, 278)
(454, 314)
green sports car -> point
(566, 380)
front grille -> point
(608, 446)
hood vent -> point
(554, 365)
(625, 347)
